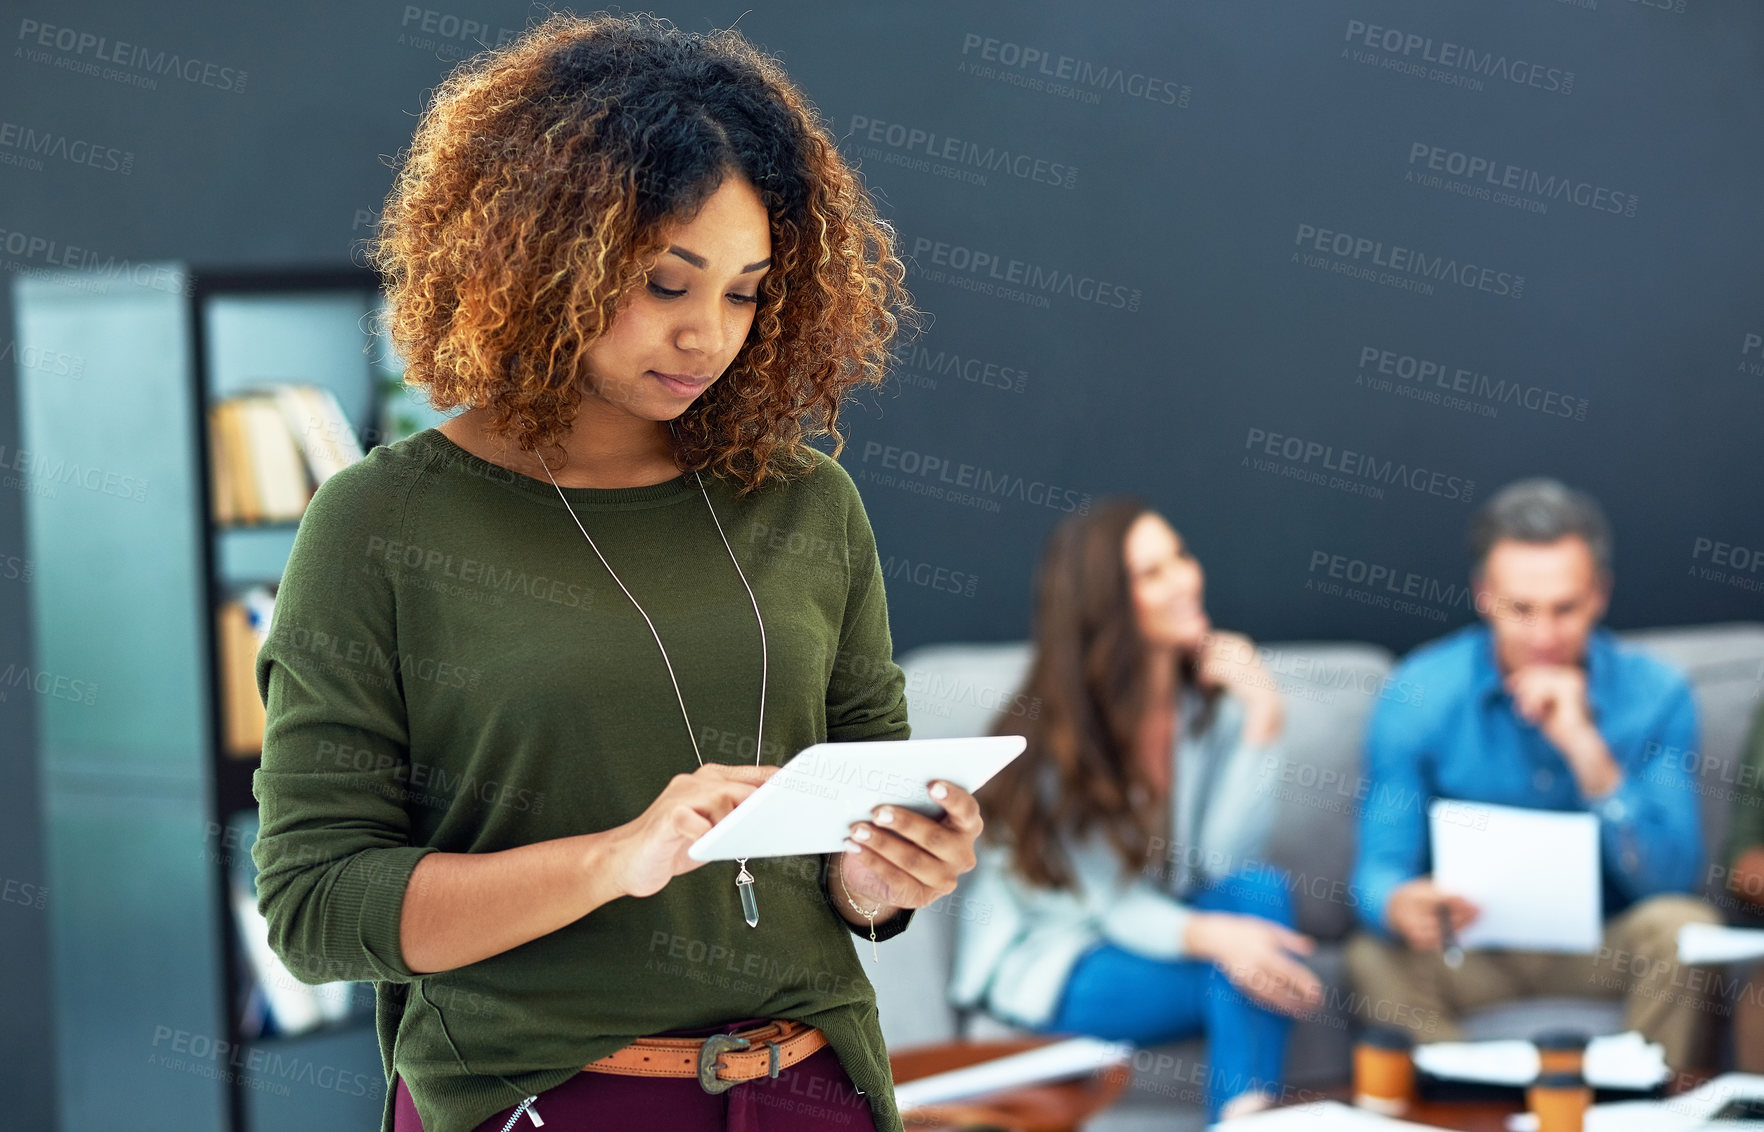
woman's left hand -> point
(902, 859)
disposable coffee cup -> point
(1561, 1051)
(1559, 1101)
(1384, 1072)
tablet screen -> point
(811, 803)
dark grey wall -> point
(1157, 241)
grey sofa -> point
(1330, 690)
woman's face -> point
(679, 331)
(1167, 585)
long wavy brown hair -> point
(1089, 674)
(537, 191)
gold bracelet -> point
(870, 915)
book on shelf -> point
(243, 624)
(279, 1004)
(272, 447)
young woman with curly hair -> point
(521, 661)
(1122, 865)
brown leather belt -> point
(720, 1061)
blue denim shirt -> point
(1462, 739)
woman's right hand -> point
(1257, 956)
(1230, 660)
(650, 850)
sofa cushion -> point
(952, 691)
(1330, 689)
(959, 690)
(911, 976)
(1725, 666)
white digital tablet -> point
(811, 803)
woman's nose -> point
(701, 330)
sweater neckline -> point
(546, 493)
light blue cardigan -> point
(1014, 954)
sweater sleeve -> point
(866, 696)
(1237, 819)
(333, 852)
(1146, 921)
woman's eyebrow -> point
(701, 263)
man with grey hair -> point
(1536, 706)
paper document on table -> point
(1324, 1116)
(1534, 874)
(1687, 1112)
(1640, 1116)
(1613, 1061)
(1074, 1057)
(1506, 1062)
(1714, 943)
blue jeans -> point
(1120, 996)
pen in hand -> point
(1450, 951)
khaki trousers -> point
(1637, 961)
(1748, 1022)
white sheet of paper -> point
(1533, 873)
(1508, 1062)
(1626, 1061)
(1678, 1114)
(1324, 1116)
(1716, 943)
(1613, 1061)
(1641, 1116)
(1074, 1057)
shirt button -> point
(1543, 780)
(1629, 859)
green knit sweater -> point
(451, 668)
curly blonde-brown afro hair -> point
(538, 189)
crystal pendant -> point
(749, 906)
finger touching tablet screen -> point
(810, 804)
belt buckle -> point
(714, 1047)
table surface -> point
(1465, 1116)
(1053, 1106)
(1469, 1116)
(1061, 1105)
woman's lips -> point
(685, 385)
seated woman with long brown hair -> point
(1120, 875)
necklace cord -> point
(756, 615)
(758, 743)
(743, 879)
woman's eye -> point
(659, 291)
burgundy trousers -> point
(813, 1095)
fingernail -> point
(939, 790)
(884, 816)
(852, 846)
(862, 834)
